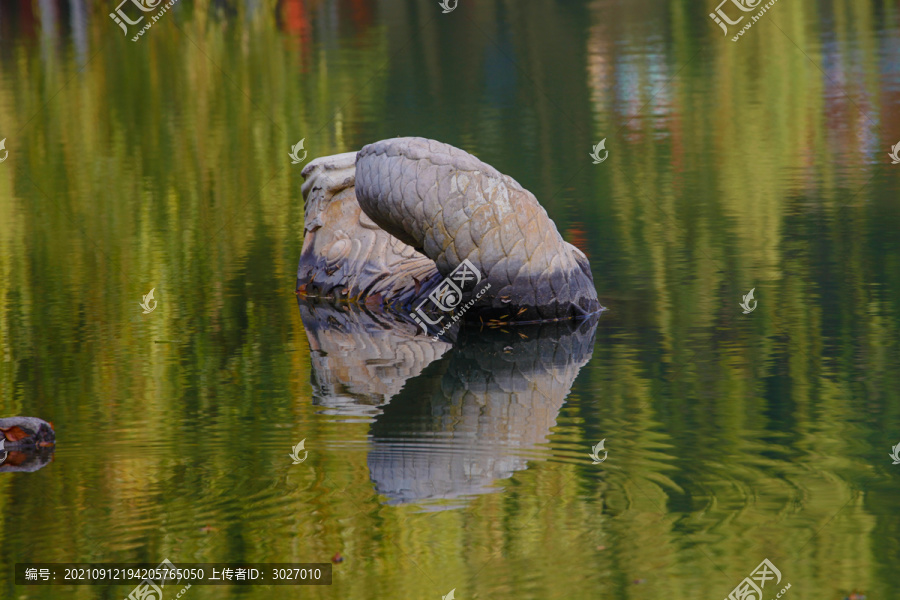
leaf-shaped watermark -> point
(596, 450)
(295, 455)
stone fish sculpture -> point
(386, 225)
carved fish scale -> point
(451, 206)
(389, 222)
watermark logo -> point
(6, 152)
(751, 587)
(723, 20)
(895, 450)
(146, 303)
(296, 159)
(595, 452)
(448, 295)
(596, 153)
(145, 6)
(449, 596)
(296, 452)
(894, 153)
(746, 303)
(445, 4)
(149, 590)
(121, 18)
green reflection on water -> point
(163, 164)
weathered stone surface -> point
(451, 206)
(391, 221)
(345, 255)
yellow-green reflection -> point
(164, 164)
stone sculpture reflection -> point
(361, 359)
(448, 420)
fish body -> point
(450, 206)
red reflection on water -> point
(577, 236)
(294, 20)
(18, 17)
(361, 14)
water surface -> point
(164, 164)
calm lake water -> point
(732, 438)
